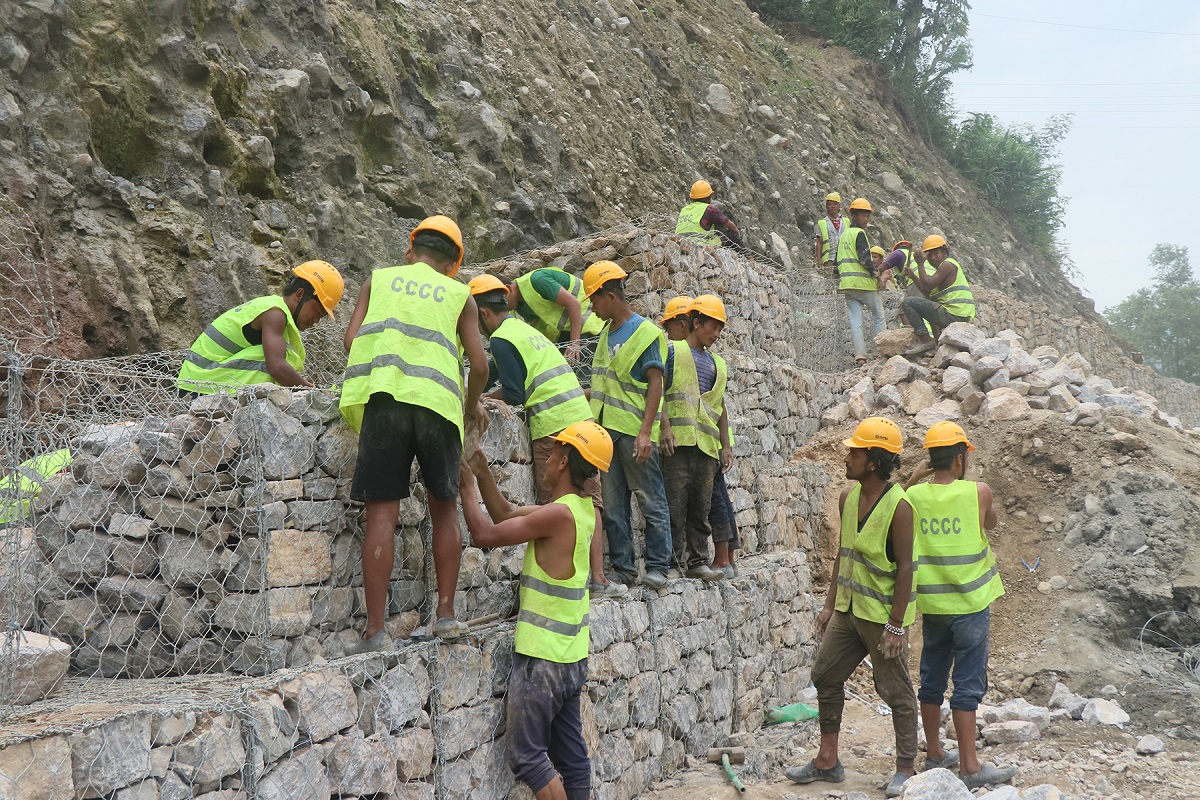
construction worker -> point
(544, 730)
(259, 341)
(552, 301)
(829, 232)
(626, 397)
(868, 609)
(19, 489)
(704, 222)
(857, 279)
(694, 437)
(675, 321)
(946, 296)
(535, 375)
(957, 580)
(404, 395)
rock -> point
(299, 777)
(835, 415)
(214, 406)
(324, 703)
(160, 446)
(972, 401)
(998, 380)
(288, 612)
(896, 370)
(1045, 791)
(1085, 414)
(961, 335)
(589, 79)
(1038, 385)
(984, 368)
(361, 766)
(1125, 401)
(1001, 793)
(129, 526)
(891, 182)
(720, 100)
(35, 664)
(1061, 398)
(120, 464)
(173, 513)
(936, 784)
(188, 561)
(1011, 732)
(402, 697)
(110, 756)
(953, 379)
(1004, 404)
(219, 446)
(1076, 362)
(780, 250)
(963, 360)
(916, 396)
(1128, 443)
(1020, 363)
(938, 412)
(37, 769)
(862, 399)
(1099, 711)
(136, 595)
(295, 558)
(337, 450)
(1150, 745)
(1062, 375)
(213, 749)
(894, 341)
(414, 754)
(991, 348)
(287, 448)
(888, 396)
(944, 355)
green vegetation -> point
(921, 43)
(1163, 321)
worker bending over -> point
(553, 302)
(704, 222)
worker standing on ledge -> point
(857, 280)
(829, 231)
(259, 341)
(704, 222)
(947, 296)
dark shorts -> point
(959, 641)
(393, 433)
(544, 725)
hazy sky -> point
(1131, 164)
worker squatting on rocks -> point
(694, 437)
(626, 397)
(553, 302)
(869, 611)
(403, 394)
(957, 580)
(857, 279)
(946, 295)
(829, 231)
(544, 730)
(259, 340)
(703, 221)
(535, 375)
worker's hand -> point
(823, 620)
(923, 471)
(573, 352)
(477, 461)
(726, 459)
(466, 479)
(891, 645)
(479, 411)
(643, 448)
(666, 441)
(499, 406)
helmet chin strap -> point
(307, 295)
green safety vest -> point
(956, 298)
(851, 274)
(910, 261)
(695, 417)
(223, 357)
(957, 571)
(689, 224)
(408, 344)
(866, 576)
(618, 401)
(18, 489)
(551, 319)
(553, 622)
(823, 227)
(553, 397)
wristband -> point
(893, 630)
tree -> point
(1163, 321)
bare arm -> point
(274, 343)
(472, 342)
(726, 449)
(987, 511)
(574, 312)
(920, 473)
(544, 522)
(643, 446)
(901, 533)
(945, 273)
(831, 596)
(360, 313)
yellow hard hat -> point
(592, 442)
(879, 251)
(599, 274)
(448, 228)
(710, 306)
(860, 204)
(877, 432)
(700, 190)
(933, 242)
(902, 243)
(326, 281)
(482, 284)
(676, 306)
(946, 433)
(834, 196)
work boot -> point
(895, 786)
(654, 580)
(377, 643)
(611, 589)
(811, 773)
(705, 573)
(920, 348)
(989, 774)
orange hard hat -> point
(591, 440)
(676, 307)
(860, 204)
(877, 432)
(446, 227)
(599, 274)
(326, 281)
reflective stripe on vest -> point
(18, 489)
(827, 235)
(956, 298)
(852, 274)
(695, 417)
(408, 344)
(866, 576)
(553, 397)
(957, 571)
(222, 357)
(553, 620)
(551, 319)
(618, 401)
(689, 224)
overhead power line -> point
(1151, 83)
(1084, 27)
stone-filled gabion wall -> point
(670, 675)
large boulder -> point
(961, 335)
(894, 341)
(936, 784)
(1004, 404)
(37, 664)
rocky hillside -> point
(176, 157)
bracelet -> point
(893, 630)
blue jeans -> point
(856, 299)
(626, 476)
(961, 639)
